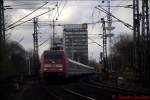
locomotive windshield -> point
(54, 57)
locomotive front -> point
(53, 63)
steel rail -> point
(106, 87)
(77, 94)
(54, 95)
(116, 89)
(52, 92)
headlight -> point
(58, 65)
(44, 69)
(60, 69)
(47, 65)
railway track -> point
(109, 89)
(118, 90)
(78, 94)
(42, 90)
(88, 91)
(64, 93)
(82, 90)
(85, 89)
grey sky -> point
(75, 12)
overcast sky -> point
(73, 12)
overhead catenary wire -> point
(27, 15)
(30, 8)
(49, 39)
(99, 21)
(95, 42)
(105, 11)
(27, 4)
(57, 10)
(127, 6)
(28, 20)
(44, 41)
(21, 39)
(62, 9)
(22, 4)
(63, 0)
(56, 7)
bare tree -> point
(122, 55)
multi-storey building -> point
(76, 42)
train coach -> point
(76, 68)
(56, 64)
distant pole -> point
(104, 46)
(2, 24)
(29, 71)
(35, 40)
(0, 20)
(53, 33)
(109, 20)
(136, 38)
(145, 42)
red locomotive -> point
(53, 63)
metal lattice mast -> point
(109, 18)
(2, 25)
(109, 29)
(145, 40)
(35, 40)
(104, 45)
(136, 37)
(0, 20)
